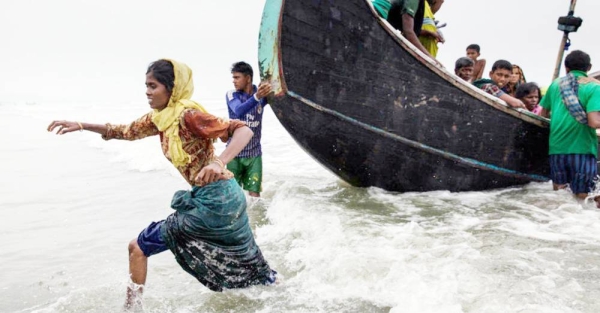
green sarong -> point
(211, 238)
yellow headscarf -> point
(167, 120)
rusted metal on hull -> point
(374, 111)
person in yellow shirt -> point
(429, 36)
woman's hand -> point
(210, 174)
(65, 127)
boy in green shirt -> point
(574, 101)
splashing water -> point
(74, 202)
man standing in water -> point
(574, 101)
(246, 103)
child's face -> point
(465, 72)
(500, 76)
(531, 100)
(516, 76)
(472, 54)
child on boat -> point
(463, 68)
(530, 95)
(517, 78)
(500, 74)
(473, 52)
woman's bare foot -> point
(134, 297)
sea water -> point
(69, 205)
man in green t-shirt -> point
(406, 16)
(574, 101)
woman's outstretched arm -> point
(67, 127)
(138, 129)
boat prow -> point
(366, 104)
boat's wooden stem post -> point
(567, 24)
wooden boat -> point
(375, 111)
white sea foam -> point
(70, 204)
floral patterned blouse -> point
(196, 130)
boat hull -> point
(359, 100)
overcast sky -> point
(97, 51)
(523, 32)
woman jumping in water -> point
(208, 233)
